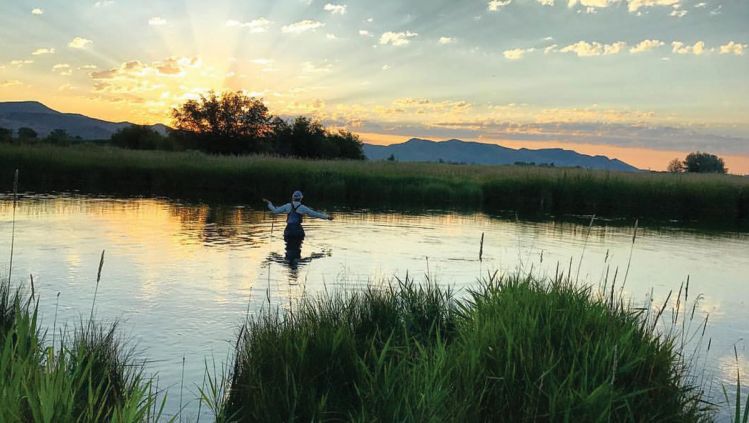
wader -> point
(294, 230)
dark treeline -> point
(29, 136)
(228, 123)
(233, 123)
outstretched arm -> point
(278, 210)
(313, 213)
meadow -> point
(702, 199)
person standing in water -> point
(295, 212)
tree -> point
(675, 166)
(141, 137)
(704, 163)
(231, 123)
(58, 137)
(348, 144)
(6, 135)
(27, 134)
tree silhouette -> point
(6, 135)
(140, 137)
(704, 163)
(27, 134)
(231, 123)
(675, 166)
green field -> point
(530, 191)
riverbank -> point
(529, 191)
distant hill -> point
(42, 119)
(419, 150)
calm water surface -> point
(181, 278)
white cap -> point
(297, 195)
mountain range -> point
(457, 151)
(43, 120)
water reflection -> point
(292, 259)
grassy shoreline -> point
(530, 191)
(517, 349)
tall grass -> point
(88, 376)
(688, 197)
(516, 349)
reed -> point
(87, 376)
(705, 199)
(513, 349)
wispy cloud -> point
(646, 45)
(104, 3)
(397, 39)
(635, 5)
(446, 40)
(62, 69)
(37, 11)
(254, 26)
(497, 5)
(41, 51)
(79, 43)
(157, 21)
(546, 2)
(21, 62)
(335, 9)
(516, 53)
(365, 33)
(302, 26)
(678, 13)
(9, 83)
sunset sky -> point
(641, 80)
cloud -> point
(646, 45)
(79, 43)
(309, 67)
(586, 49)
(335, 9)
(37, 11)
(104, 3)
(19, 63)
(551, 49)
(365, 33)
(497, 5)
(590, 3)
(679, 13)
(446, 40)
(66, 87)
(701, 5)
(88, 67)
(385, 67)
(516, 53)
(331, 36)
(397, 39)
(9, 83)
(733, 48)
(546, 2)
(157, 21)
(255, 25)
(63, 69)
(680, 48)
(41, 51)
(302, 26)
(635, 5)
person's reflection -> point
(293, 260)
